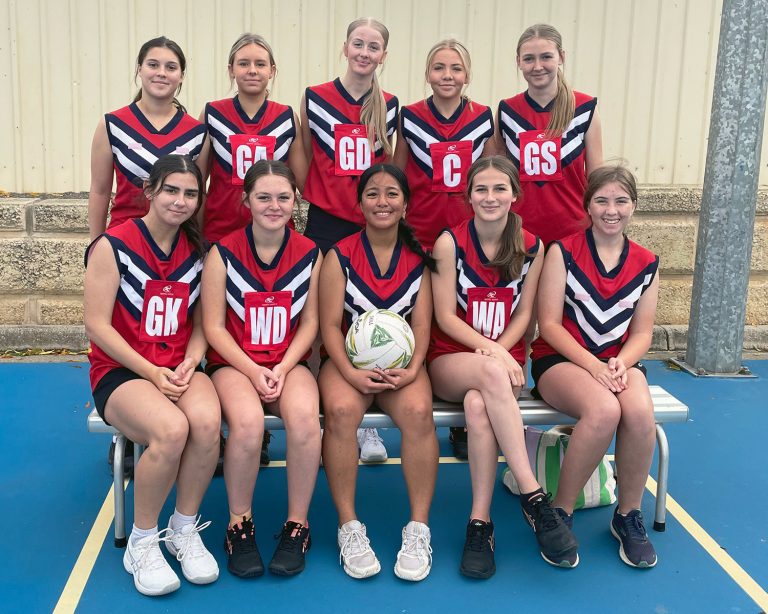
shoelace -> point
(372, 436)
(192, 545)
(416, 546)
(547, 515)
(290, 542)
(478, 537)
(240, 543)
(635, 527)
(356, 542)
(151, 557)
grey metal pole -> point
(727, 219)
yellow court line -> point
(78, 578)
(721, 557)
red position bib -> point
(267, 320)
(539, 157)
(450, 162)
(165, 310)
(248, 149)
(489, 309)
(353, 151)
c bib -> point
(450, 162)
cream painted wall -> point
(63, 63)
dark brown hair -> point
(511, 253)
(174, 163)
(165, 43)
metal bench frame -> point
(535, 412)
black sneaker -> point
(458, 439)
(557, 544)
(240, 545)
(478, 561)
(127, 458)
(635, 548)
(565, 517)
(288, 559)
(265, 449)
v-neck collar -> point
(347, 96)
(276, 260)
(244, 116)
(372, 258)
(156, 249)
(599, 263)
(174, 121)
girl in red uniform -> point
(380, 267)
(128, 141)
(597, 301)
(552, 134)
(260, 315)
(438, 140)
(347, 126)
(242, 130)
(142, 283)
(487, 271)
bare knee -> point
(341, 418)
(476, 413)
(302, 427)
(638, 419)
(247, 429)
(170, 440)
(417, 419)
(205, 427)
(602, 417)
(493, 375)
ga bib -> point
(539, 157)
(450, 162)
(353, 151)
(164, 315)
(267, 320)
(489, 309)
(247, 149)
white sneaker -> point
(355, 551)
(197, 564)
(152, 575)
(414, 561)
(371, 446)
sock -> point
(179, 520)
(137, 533)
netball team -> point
(473, 224)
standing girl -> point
(142, 283)
(347, 126)
(380, 267)
(129, 141)
(260, 315)
(487, 271)
(597, 301)
(552, 134)
(242, 130)
(438, 140)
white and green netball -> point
(380, 338)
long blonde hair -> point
(374, 112)
(564, 103)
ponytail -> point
(374, 116)
(164, 43)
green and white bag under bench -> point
(666, 409)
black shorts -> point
(111, 381)
(326, 229)
(540, 365)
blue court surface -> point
(713, 557)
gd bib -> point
(247, 149)
(164, 313)
(267, 320)
(450, 162)
(489, 309)
(539, 157)
(353, 151)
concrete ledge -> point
(43, 337)
(60, 216)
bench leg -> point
(659, 523)
(117, 471)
